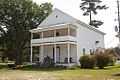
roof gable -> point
(57, 17)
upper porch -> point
(55, 33)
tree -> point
(91, 6)
(17, 17)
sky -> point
(108, 16)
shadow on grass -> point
(35, 68)
(49, 69)
(105, 68)
(3, 66)
(112, 67)
(116, 74)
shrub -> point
(102, 60)
(112, 60)
(48, 62)
(11, 65)
(112, 55)
(87, 61)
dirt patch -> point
(35, 76)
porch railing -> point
(54, 39)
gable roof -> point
(59, 17)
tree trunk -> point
(18, 60)
(90, 18)
(90, 15)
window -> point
(56, 16)
(96, 42)
(83, 51)
(91, 52)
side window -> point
(96, 42)
(91, 52)
(83, 51)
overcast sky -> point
(108, 16)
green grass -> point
(29, 73)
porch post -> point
(77, 56)
(31, 54)
(68, 50)
(41, 53)
(54, 53)
(54, 47)
(41, 49)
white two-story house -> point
(62, 37)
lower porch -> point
(61, 54)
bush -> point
(102, 60)
(87, 61)
(112, 55)
(11, 65)
(112, 60)
(48, 62)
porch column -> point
(54, 53)
(41, 50)
(31, 54)
(77, 56)
(68, 50)
(54, 46)
(41, 53)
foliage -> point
(112, 54)
(87, 61)
(102, 60)
(70, 59)
(48, 62)
(11, 65)
(96, 23)
(117, 52)
(112, 60)
(91, 6)
(17, 17)
(99, 59)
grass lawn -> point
(109, 73)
